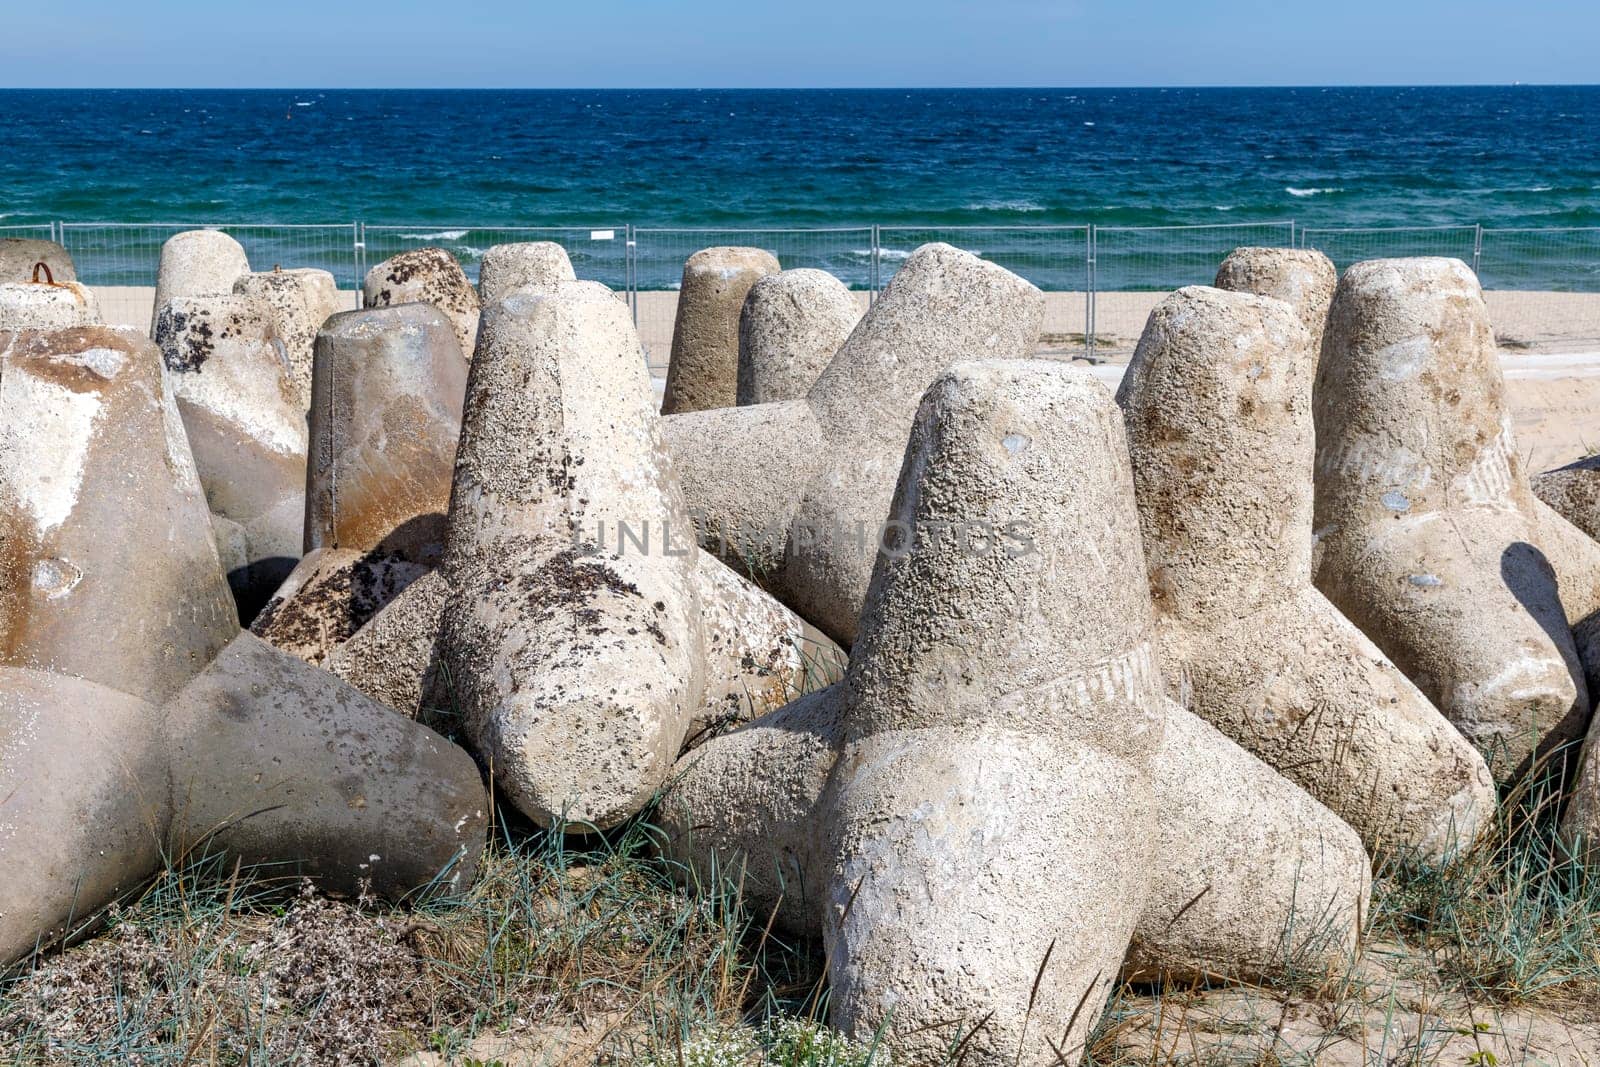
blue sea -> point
(433, 162)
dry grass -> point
(591, 951)
(592, 954)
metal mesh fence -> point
(121, 260)
(598, 253)
(659, 254)
(1543, 287)
(1054, 258)
(1133, 267)
(1347, 246)
(44, 231)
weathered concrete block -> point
(88, 795)
(297, 302)
(330, 594)
(276, 761)
(245, 426)
(1303, 278)
(261, 758)
(574, 679)
(135, 721)
(704, 369)
(427, 276)
(384, 425)
(1257, 881)
(538, 265)
(1573, 492)
(197, 263)
(46, 305)
(960, 723)
(920, 808)
(110, 573)
(1218, 407)
(19, 255)
(1430, 539)
(825, 475)
(394, 657)
(792, 325)
(581, 680)
(41, 300)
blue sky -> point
(737, 43)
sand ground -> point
(1550, 350)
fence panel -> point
(1543, 288)
(598, 253)
(659, 255)
(120, 260)
(1133, 267)
(1054, 258)
(1347, 246)
(43, 231)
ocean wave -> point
(893, 255)
(442, 235)
(1006, 205)
(1292, 191)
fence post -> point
(359, 250)
(630, 270)
(1088, 295)
(1477, 246)
(873, 266)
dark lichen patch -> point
(330, 608)
(408, 265)
(571, 582)
(187, 340)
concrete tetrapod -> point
(704, 370)
(246, 429)
(40, 301)
(385, 418)
(262, 758)
(791, 326)
(109, 572)
(1218, 406)
(297, 302)
(1303, 278)
(795, 492)
(137, 726)
(580, 675)
(1429, 537)
(523, 265)
(974, 815)
(197, 263)
(18, 255)
(428, 276)
(1573, 492)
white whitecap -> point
(442, 235)
(1006, 205)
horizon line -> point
(787, 88)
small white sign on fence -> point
(602, 235)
